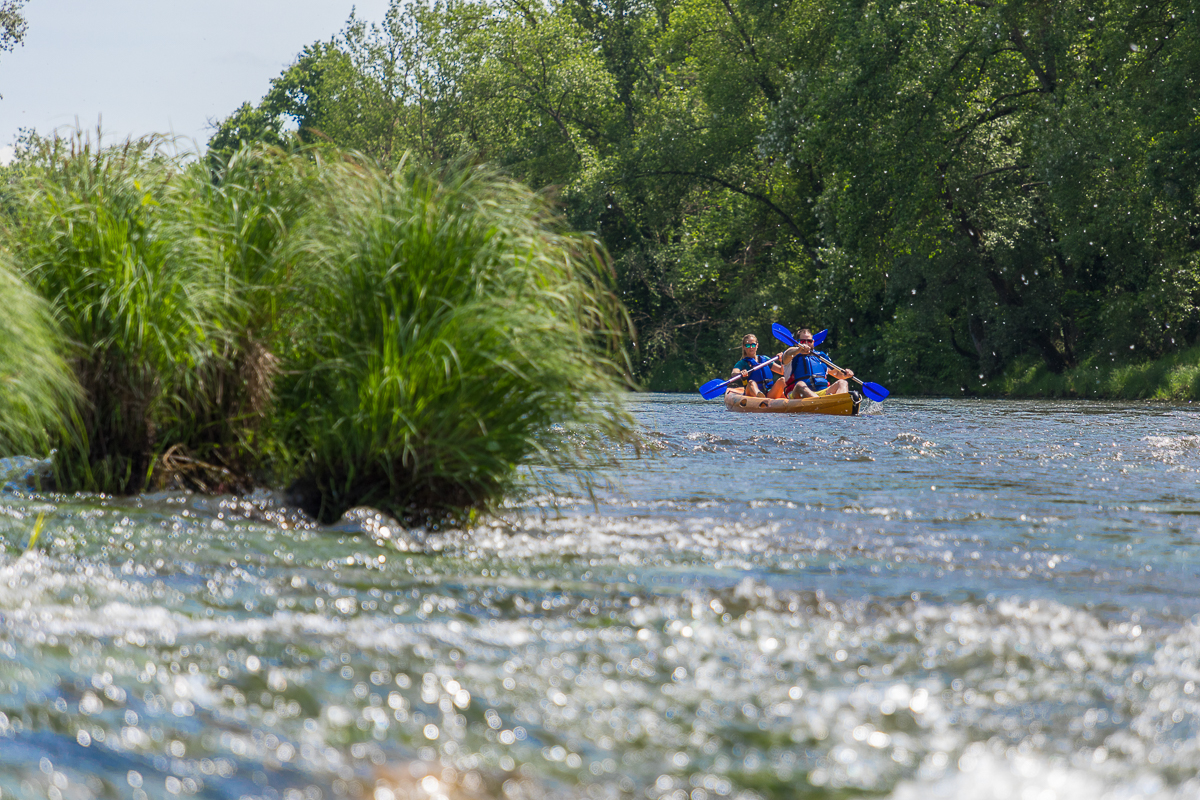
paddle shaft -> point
(820, 337)
(829, 363)
(755, 369)
(872, 390)
(714, 385)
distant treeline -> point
(956, 189)
(405, 338)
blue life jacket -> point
(811, 370)
(760, 375)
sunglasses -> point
(751, 345)
(805, 341)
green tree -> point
(711, 236)
(984, 173)
(952, 186)
(12, 24)
(295, 108)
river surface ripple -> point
(945, 599)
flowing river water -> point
(943, 599)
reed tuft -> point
(403, 339)
(231, 218)
(139, 312)
(38, 392)
(456, 334)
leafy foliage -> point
(135, 315)
(995, 180)
(991, 164)
(37, 390)
(12, 24)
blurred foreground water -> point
(948, 599)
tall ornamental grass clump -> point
(401, 339)
(37, 390)
(453, 334)
(230, 219)
(135, 313)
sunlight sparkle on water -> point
(945, 600)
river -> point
(935, 599)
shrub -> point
(401, 339)
(37, 390)
(134, 316)
(456, 334)
(230, 219)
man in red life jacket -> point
(806, 375)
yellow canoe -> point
(840, 404)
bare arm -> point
(792, 352)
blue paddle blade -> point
(783, 334)
(875, 391)
(713, 388)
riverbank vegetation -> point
(1172, 377)
(37, 389)
(402, 337)
(954, 189)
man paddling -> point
(759, 379)
(806, 375)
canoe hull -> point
(843, 405)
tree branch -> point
(739, 190)
(1001, 169)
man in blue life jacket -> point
(806, 375)
(760, 380)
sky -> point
(155, 66)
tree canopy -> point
(12, 25)
(951, 187)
